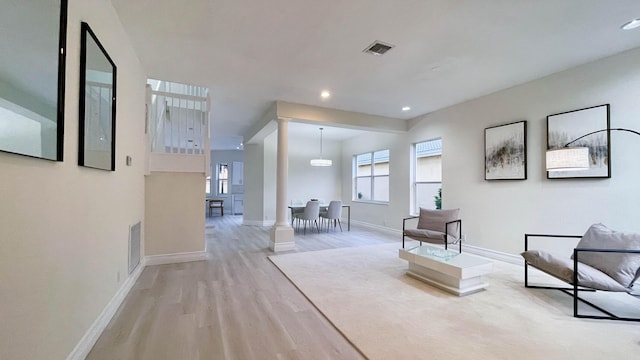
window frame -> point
(220, 179)
(372, 177)
(415, 208)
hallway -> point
(234, 305)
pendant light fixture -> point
(321, 161)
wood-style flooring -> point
(234, 305)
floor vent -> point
(378, 48)
(134, 246)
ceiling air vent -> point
(378, 48)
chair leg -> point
(334, 224)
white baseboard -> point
(263, 223)
(175, 258)
(283, 246)
(376, 227)
(84, 346)
(493, 254)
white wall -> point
(269, 164)
(307, 182)
(497, 214)
(64, 228)
(175, 221)
(253, 184)
(390, 214)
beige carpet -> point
(365, 293)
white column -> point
(282, 232)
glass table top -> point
(434, 252)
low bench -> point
(604, 260)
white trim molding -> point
(493, 254)
(283, 246)
(263, 223)
(175, 258)
(376, 227)
(86, 343)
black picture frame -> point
(505, 151)
(32, 79)
(97, 131)
(565, 127)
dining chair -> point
(216, 204)
(311, 213)
(332, 214)
(297, 206)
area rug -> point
(366, 294)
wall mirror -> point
(32, 63)
(97, 145)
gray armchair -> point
(435, 227)
(603, 260)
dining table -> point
(323, 207)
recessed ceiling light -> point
(325, 94)
(631, 24)
(406, 108)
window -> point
(207, 186)
(223, 179)
(427, 175)
(371, 180)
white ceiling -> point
(297, 129)
(250, 53)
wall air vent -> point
(378, 48)
(134, 245)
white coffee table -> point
(457, 273)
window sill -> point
(373, 202)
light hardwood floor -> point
(235, 305)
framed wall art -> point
(97, 143)
(587, 128)
(505, 151)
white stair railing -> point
(179, 122)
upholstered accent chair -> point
(332, 214)
(435, 227)
(310, 215)
(297, 207)
(603, 260)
